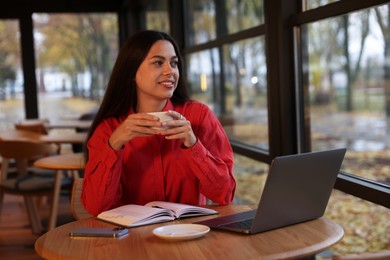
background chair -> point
(78, 210)
(37, 126)
(77, 148)
(26, 183)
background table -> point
(64, 138)
(64, 162)
(56, 138)
(52, 124)
(82, 124)
(15, 134)
(301, 240)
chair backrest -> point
(37, 127)
(78, 210)
(22, 151)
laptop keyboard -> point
(243, 224)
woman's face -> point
(158, 74)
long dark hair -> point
(121, 91)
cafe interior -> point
(282, 77)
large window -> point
(349, 89)
(345, 89)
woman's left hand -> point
(179, 128)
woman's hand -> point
(139, 124)
(179, 128)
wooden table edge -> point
(313, 249)
(292, 254)
(62, 162)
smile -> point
(167, 83)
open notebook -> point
(297, 189)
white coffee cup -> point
(163, 116)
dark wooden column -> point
(28, 66)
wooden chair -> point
(26, 183)
(78, 210)
(37, 126)
(77, 148)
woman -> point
(132, 157)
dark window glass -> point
(209, 19)
(75, 55)
(11, 75)
(246, 113)
(157, 16)
(311, 4)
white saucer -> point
(181, 231)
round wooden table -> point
(72, 162)
(292, 242)
(16, 134)
(53, 138)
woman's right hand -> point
(139, 124)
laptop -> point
(297, 189)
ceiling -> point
(18, 8)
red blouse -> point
(153, 168)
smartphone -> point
(99, 232)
